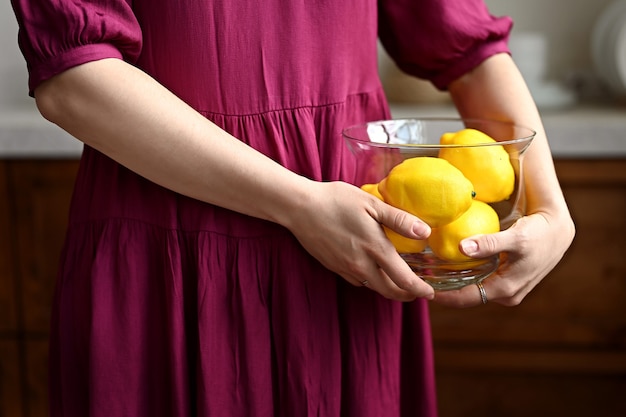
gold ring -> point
(483, 293)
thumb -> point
(403, 222)
(481, 246)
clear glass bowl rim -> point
(531, 133)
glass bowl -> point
(381, 145)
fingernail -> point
(421, 229)
(469, 247)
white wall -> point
(567, 25)
(13, 77)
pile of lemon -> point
(450, 192)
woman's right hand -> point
(340, 225)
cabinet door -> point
(40, 195)
(36, 377)
(8, 291)
(10, 379)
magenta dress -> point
(167, 306)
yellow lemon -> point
(487, 167)
(444, 241)
(373, 190)
(430, 188)
(404, 244)
(401, 243)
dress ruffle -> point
(163, 322)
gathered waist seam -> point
(205, 112)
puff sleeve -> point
(440, 40)
(55, 35)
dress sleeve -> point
(55, 35)
(440, 40)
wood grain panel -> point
(11, 379)
(42, 192)
(36, 378)
(505, 394)
(8, 281)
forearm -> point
(496, 90)
(120, 111)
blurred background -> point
(568, 51)
(562, 352)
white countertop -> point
(579, 132)
(26, 134)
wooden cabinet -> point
(561, 352)
(8, 291)
(10, 381)
(11, 403)
(34, 201)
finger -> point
(481, 246)
(371, 276)
(402, 222)
(505, 290)
(388, 289)
(379, 282)
(488, 290)
(468, 296)
(397, 273)
(394, 279)
(497, 288)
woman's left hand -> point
(529, 250)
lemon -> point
(404, 244)
(487, 167)
(373, 190)
(444, 241)
(430, 188)
(401, 243)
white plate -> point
(608, 44)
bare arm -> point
(122, 112)
(497, 91)
(535, 244)
(125, 114)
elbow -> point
(48, 99)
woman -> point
(216, 253)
